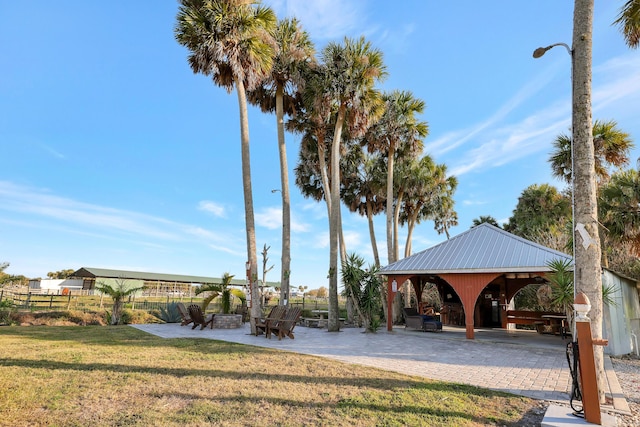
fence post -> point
(50, 301)
(69, 302)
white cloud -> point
(52, 151)
(213, 208)
(322, 19)
(496, 143)
(38, 208)
(270, 218)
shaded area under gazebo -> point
(477, 273)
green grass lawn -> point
(120, 376)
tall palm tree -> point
(398, 132)
(587, 258)
(610, 144)
(230, 40)
(294, 51)
(428, 187)
(629, 23)
(364, 190)
(351, 71)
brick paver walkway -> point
(522, 363)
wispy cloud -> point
(39, 208)
(212, 208)
(468, 202)
(323, 19)
(271, 218)
(52, 151)
(494, 142)
(455, 139)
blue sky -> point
(116, 155)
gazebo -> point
(477, 273)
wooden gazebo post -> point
(468, 286)
(393, 283)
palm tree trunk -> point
(411, 225)
(396, 221)
(390, 254)
(323, 174)
(286, 203)
(587, 260)
(376, 255)
(372, 234)
(248, 202)
(334, 224)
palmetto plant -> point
(222, 290)
(118, 292)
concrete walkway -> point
(519, 362)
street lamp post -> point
(539, 52)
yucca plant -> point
(170, 313)
(362, 287)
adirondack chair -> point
(184, 314)
(199, 319)
(285, 326)
(264, 324)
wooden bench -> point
(535, 318)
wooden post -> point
(587, 365)
(392, 288)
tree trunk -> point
(376, 255)
(117, 311)
(333, 324)
(248, 203)
(372, 235)
(390, 254)
(322, 164)
(286, 203)
(588, 274)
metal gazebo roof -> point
(481, 249)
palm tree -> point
(445, 216)
(629, 23)
(278, 91)
(350, 72)
(221, 290)
(118, 292)
(230, 40)
(587, 258)
(398, 131)
(364, 190)
(611, 147)
(541, 209)
(485, 218)
(619, 206)
(429, 187)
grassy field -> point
(120, 376)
